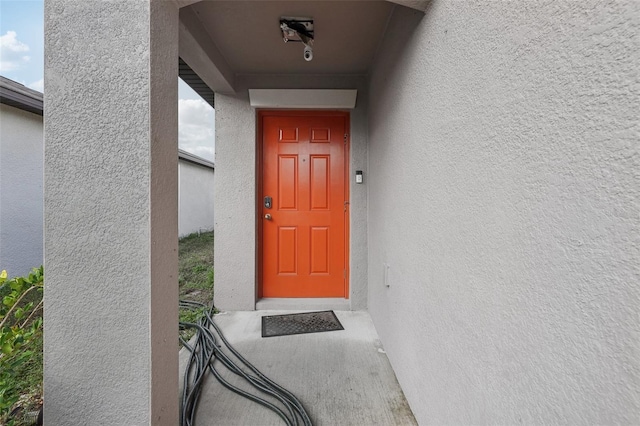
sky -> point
(22, 60)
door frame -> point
(260, 114)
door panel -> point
(319, 250)
(287, 253)
(287, 182)
(320, 182)
(304, 233)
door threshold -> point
(303, 304)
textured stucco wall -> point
(503, 193)
(195, 198)
(235, 197)
(111, 213)
(21, 157)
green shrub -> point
(20, 324)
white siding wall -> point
(503, 193)
(21, 152)
(195, 198)
(21, 219)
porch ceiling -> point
(247, 35)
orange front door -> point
(304, 204)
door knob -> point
(267, 216)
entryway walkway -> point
(341, 377)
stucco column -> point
(111, 212)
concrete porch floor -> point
(341, 377)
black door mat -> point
(308, 322)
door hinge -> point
(345, 138)
(346, 203)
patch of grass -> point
(195, 275)
(30, 383)
(30, 373)
(195, 270)
(21, 383)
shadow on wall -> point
(400, 40)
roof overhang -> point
(222, 40)
(191, 158)
(19, 96)
(195, 82)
